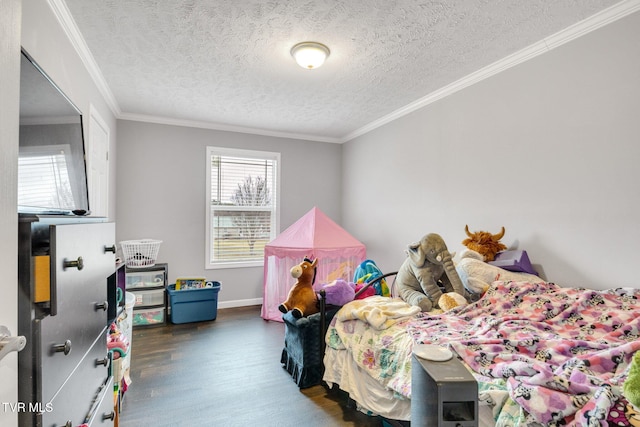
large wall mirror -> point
(52, 173)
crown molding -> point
(61, 11)
(223, 127)
(605, 17)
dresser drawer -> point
(85, 245)
(105, 414)
(149, 316)
(149, 297)
(76, 399)
(79, 294)
(145, 279)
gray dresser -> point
(63, 266)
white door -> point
(10, 12)
(98, 164)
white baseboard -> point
(240, 303)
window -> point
(43, 178)
(242, 206)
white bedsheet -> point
(370, 396)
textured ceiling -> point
(226, 64)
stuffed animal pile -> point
(302, 300)
(427, 279)
(427, 269)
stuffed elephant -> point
(428, 263)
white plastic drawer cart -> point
(148, 285)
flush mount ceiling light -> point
(310, 55)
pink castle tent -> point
(314, 235)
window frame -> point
(209, 208)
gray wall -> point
(549, 149)
(161, 194)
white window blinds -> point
(43, 178)
(242, 200)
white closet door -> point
(10, 17)
(98, 164)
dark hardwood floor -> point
(225, 372)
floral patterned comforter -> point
(542, 354)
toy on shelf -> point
(190, 283)
(117, 342)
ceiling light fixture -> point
(310, 55)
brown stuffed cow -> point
(302, 299)
(485, 243)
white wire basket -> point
(140, 253)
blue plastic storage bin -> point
(193, 305)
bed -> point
(541, 354)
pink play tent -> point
(314, 235)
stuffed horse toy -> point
(302, 299)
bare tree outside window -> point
(252, 226)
